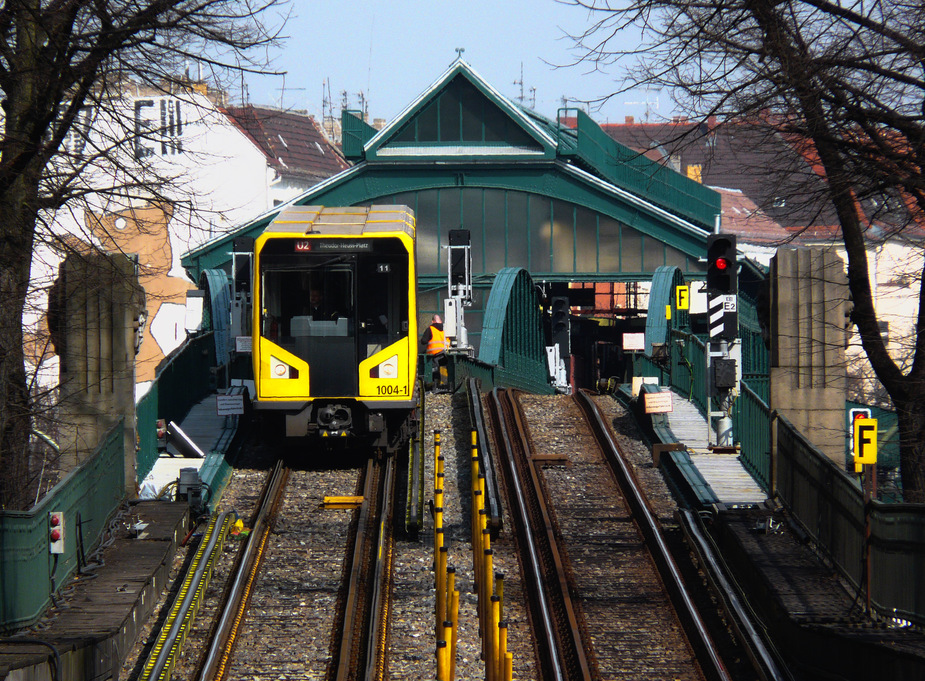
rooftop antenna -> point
(282, 91)
(648, 103)
(327, 110)
(459, 53)
(533, 98)
(521, 84)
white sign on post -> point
(659, 403)
(634, 341)
(229, 405)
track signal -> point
(722, 277)
(56, 532)
(856, 414)
(560, 323)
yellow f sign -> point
(683, 297)
(865, 441)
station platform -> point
(98, 616)
(816, 620)
(731, 483)
(705, 477)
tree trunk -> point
(17, 227)
(911, 413)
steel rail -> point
(562, 652)
(697, 632)
(169, 643)
(414, 514)
(764, 659)
(215, 664)
(376, 631)
(486, 457)
(366, 606)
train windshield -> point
(333, 303)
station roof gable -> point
(459, 116)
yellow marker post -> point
(682, 297)
(454, 617)
(442, 661)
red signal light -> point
(56, 532)
(722, 263)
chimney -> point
(630, 120)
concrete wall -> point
(95, 304)
(809, 302)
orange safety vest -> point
(437, 343)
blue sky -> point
(392, 51)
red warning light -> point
(722, 263)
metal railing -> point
(751, 422)
(88, 496)
(823, 498)
(180, 383)
(829, 504)
(688, 368)
(634, 172)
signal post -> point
(722, 306)
(864, 445)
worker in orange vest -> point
(435, 344)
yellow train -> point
(334, 323)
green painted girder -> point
(557, 180)
(512, 332)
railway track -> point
(307, 594)
(296, 585)
(599, 607)
(613, 618)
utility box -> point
(724, 374)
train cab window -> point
(382, 301)
(322, 304)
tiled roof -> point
(293, 143)
(750, 224)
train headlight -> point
(279, 369)
(386, 369)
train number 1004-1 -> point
(392, 389)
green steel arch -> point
(661, 296)
(512, 333)
(216, 311)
